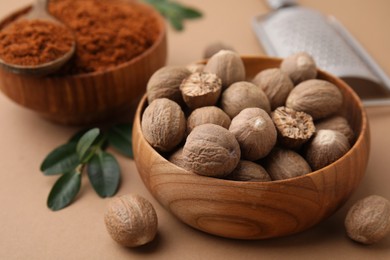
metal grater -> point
(291, 28)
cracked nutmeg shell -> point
(255, 132)
(211, 150)
(163, 124)
(294, 128)
(201, 89)
(318, 98)
(368, 220)
(326, 147)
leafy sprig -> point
(85, 152)
(175, 12)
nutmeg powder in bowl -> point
(108, 32)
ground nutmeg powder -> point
(34, 42)
(108, 32)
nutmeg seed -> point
(211, 150)
(255, 132)
(326, 147)
(284, 164)
(163, 124)
(177, 158)
(318, 98)
(275, 84)
(249, 171)
(368, 220)
(165, 83)
(337, 123)
(214, 48)
(207, 115)
(195, 67)
(228, 66)
(131, 220)
(299, 67)
(241, 95)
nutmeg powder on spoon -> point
(34, 42)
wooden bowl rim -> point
(157, 42)
(242, 184)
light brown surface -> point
(29, 230)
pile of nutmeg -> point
(210, 120)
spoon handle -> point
(39, 10)
(41, 3)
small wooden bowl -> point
(87, 98)
(256, 210)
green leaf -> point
(184, 12)
(62, 159)
(119, 137)
(174, 12)
(191, 13)
(85, 143)
(153, 2)
(64, 190)
(104, 174)
(176, 22)
(76, 137)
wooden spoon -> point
(39, 11)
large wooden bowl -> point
(256, 210)
(87, 98)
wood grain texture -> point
(86, 98)
(255, 210)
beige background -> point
(28, 230)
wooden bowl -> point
(256, 210)
(87, 98)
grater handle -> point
(277, 4)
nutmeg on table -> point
(286, 143)
(368, 220)
(131, 220)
